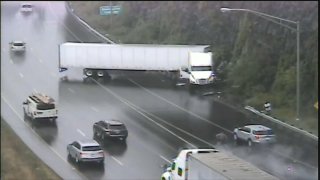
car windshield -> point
(120, 126)
(26, 6)
(267, 132)
(91, 148)
(18, 44)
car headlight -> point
(212, 77)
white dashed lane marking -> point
(21, 75)
(119, 162)
(164, 159)
(95, 109)
(71, 90)
(79, 131)
(53, 74)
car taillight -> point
(34, 112)
(101, 153)
(257, 137)
(81, 154)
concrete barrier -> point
(251, 109)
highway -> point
(161, 118)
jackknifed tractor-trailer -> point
(191, 62)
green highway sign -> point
(116, 9)
(107, 10)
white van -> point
(40, 106)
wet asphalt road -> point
(161, 118)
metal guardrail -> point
(71, 11)
(249, 108)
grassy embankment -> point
(18, 161)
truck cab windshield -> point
(201, 68)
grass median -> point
(18, 161)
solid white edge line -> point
(64, 24)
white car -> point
(254, 134)
(85, 151)
(19, 46)
(26, 7)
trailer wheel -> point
(100, 73)
(88, 72)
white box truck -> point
(191, 62)
(211, 164)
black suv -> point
(110, 129)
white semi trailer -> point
(191, 62)
(211, 164)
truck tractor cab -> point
(179, 167)
(199, 70)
